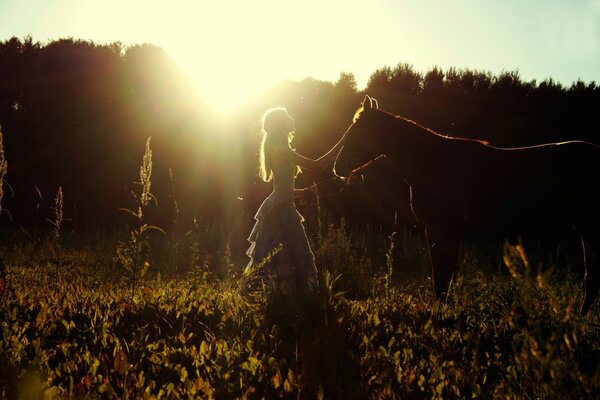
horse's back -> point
(562, 170)
(569, 164)
(487, 186)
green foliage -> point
(176, 340)
(493, 340)
(348, 264)
(501, 336)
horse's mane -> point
(420, 127)
(360, 110)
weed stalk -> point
(133, 255)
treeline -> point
(503, 109)
(76, 114)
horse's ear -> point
(367, 103)
(375, 103)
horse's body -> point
(463, 186)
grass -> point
(505, 335)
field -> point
(77, 323)
(122, 284)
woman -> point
(279, 247)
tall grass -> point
(54, 239)
(3, 168)
(133, 255)
(389, 262)
(345, 259)
(4, 277)
(499, 336)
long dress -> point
(279, 250)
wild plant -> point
(328, 295)
(54, 239)
(208, 250)
(529, 281)
(252, 275)
(133, 255)
(389, 262)
(347, 261)
(198, 271)
(175, 239)
(58, 215)
(3, 168)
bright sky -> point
(231, 49)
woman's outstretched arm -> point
(321, 162)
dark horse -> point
(464, 186)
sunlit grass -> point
(499, 335)
(187, 327)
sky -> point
(232, 49)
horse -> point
(368, 199)
(462, 186)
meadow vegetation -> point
(146, 313)
(510, 333)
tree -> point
(346, 83)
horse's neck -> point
(410, 147)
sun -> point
(231, 50)
(236, 50)
(221, 82)
(228, 50)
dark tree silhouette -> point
(76, 114)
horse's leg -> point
(443, 251)
(591, 259)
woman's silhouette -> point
(279, 247)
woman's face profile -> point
(281, 122)
(290, 124)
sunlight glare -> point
(231, 50)
(240, 49)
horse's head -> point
(362, 142)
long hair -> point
(277, 131)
